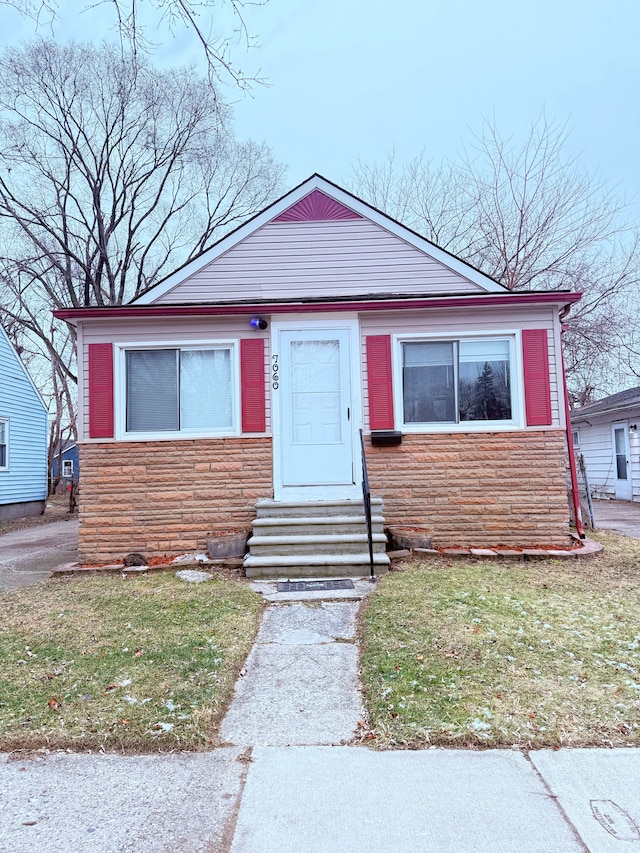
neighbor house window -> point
(4, 444)
(576, 437)
(455, 381)
(67, 467)
(186, 390)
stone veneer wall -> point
(163, 497)
(476, 490)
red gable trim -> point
(494, 299)
(252, 382)
(380, 382)
(537, 386)
(100, 390)
(316, 207)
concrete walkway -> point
(301, 680)
(28, 556)
(622, 516)
(286, 784)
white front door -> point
(315, 436)
(621, 461)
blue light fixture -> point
(258, 323)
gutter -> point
(581, 415)
(575, 494)
(304, 306)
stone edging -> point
(589, 548)
(76, 570)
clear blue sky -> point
(354, 78)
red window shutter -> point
(252, 384)
(380, 382)
(537, 386)
(101, 390)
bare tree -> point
(531, 218)
(111, 175)
(204, 20)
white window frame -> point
(121, 350)
(517, 421)
(5, 422)
(575, 432)
(67, 468)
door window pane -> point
(621, 454)
(152, 390)
(315, 392)
(428, 382)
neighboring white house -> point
(23, 438)
(606, 433)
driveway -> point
(27, 556)
(622, 516)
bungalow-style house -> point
(23, 438)
(606, 433)
(234, 391)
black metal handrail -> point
(366, 494)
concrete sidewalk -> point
(322, 800)
(290, 780)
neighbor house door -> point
(314, 436)
(621, 461)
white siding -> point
(596, 445)
(479, 321)
(26, 479)
(174, 331)
(314, 259)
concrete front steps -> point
(315, 539)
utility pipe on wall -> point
(577, 509)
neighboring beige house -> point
(248, 374)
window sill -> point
(462, 427)
(173, 436)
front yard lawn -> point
(474, 653)
(146, 664)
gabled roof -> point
(19, 361)
(318, 199)
(615, 402)
(64, 447)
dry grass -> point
(140, 665)
(495, 654)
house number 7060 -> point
(275, 377)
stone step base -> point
(268, 508)
(316, 526)
(344, 565)
(313, 544)
(315, 538)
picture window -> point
(456, 381)
(179, 390)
